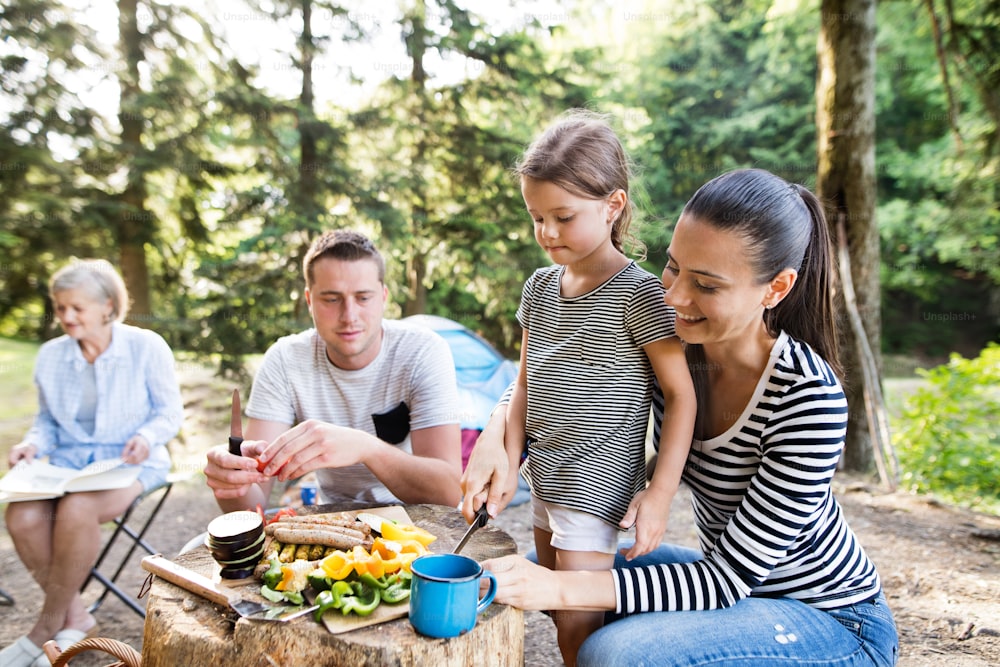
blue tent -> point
(482, 372)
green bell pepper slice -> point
(397, 588)
(273, 576)
(363, 601)
(372, 582)
(332, 598)
(395, 593)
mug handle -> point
(490, 594)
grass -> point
(900, 380)
(895, 391)
(18, 398)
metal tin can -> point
(308, 494)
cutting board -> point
(336, 622)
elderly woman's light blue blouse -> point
(137, 394)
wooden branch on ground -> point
(875, 410)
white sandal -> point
(63, 639)
(22, 653)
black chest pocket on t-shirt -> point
(393, 426)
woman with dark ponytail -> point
(783, 227)
(779, 578)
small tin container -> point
(307, 492)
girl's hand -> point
(487, 475)
(22, 451)
(136, 450)
(648, 511)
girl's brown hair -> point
(582, 154)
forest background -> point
(201, 146)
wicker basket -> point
(127, 656)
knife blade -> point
(288, 613)
(478, 521)
(236, 426)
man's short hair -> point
(343, 244)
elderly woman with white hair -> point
(106, 390)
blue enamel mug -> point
(444, 594)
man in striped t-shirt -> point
(779, 578)
(366, 403)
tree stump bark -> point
(184, 629)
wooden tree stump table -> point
(183, 629)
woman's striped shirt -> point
(590, 387)
(767, 520)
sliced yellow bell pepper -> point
(368, 563)
(412, 547)
(406, 559)
(338, 565)
(379, 545)
(401, 532)
(294, 577)
(392, 565)
(389, 557)
(380, 561)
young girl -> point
(596, 331)
(780, 578)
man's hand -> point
(230, 476)
(312, 445)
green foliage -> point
(439, 191)
(937, 186)
(948, 437)
(237, 179)
(723, 85)
(37, 188)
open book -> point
(39, 480)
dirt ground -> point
(940, 565)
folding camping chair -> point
(134, 537)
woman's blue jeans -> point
(755, 631)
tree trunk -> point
(416, 301)
(416, 265)
(307, 119)
(134, 222)
(845, 123)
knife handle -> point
(234, 446)
(482, 516)
(187, 579)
